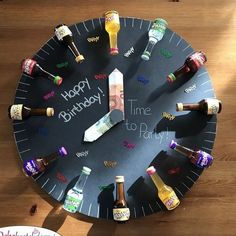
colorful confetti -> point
(101, 76)
(49, 95)
(168, 116)
(63, 64)
(93, 39)
(167, 54)
(128, 145)
(61, 177)
(142, 79)
(129, 52)
(110, 164)
(173, 171)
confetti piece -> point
(110, 164)
(167, 54)
(63, 64)
(101, 76)
(173, 171)
(129, 52)
(33, 209)
(93, 39)
(61, 177)
(168, 116)
(49, 95)
(128, 145)
(143, 80)
(190, 89)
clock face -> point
(139, 141)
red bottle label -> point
(28, 65)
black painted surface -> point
(150, 133)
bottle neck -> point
(191, 107)
(120, 195)
(150, 46)
(185, 151)
(182, 71)
(50, 158)
(68, 41)
(113, 42)
(79, 186)
(157, 181)
(38, 112)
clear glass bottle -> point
(32, 68)
(165, 192)
(121, 212)
(112, 26)
(155, 34)
(39, 164)
(199, 158)
(21, 112)
(75, 195)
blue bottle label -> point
(31, 167)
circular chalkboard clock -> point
(131, 146)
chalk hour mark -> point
(141, 23)
(208, 149)
(158, 205)
(150, 207)
(18, 123)
(45, 183)
(45, 51)
(203, 73)
(24, 83)
(208, 141)
(185, 185)
(185, 48)
(195, 173)
(22, 140)
(178, 42)
(93, 24)
(179, 191)
(143, 211)
(135, 216)
(19, 131)
(27, 150)
(52, 189)
(171, 37)
(125, 22)
(100, 23)
(98, 211)
(190, 179)
(51, 46)
(85, 27)
(132, 22)
(21, 98)
(22, 90)
(39, 176)
(81, 205)
(55, 40)
(77, 30)
(149, 25)
(89, 210)
(208, 81)
(208, 90)
(42, 58)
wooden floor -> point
(210, 25)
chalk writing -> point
(168, 116)
(82, 154)
(110, 164)
(61, 177)
(164, 52)
(190, 89)
(77, 90)
(101, 76)
(135, 110)
(129, 52)
(49, 95)
(63, 64)
(128, 145)
(143, 80)
(93, 39)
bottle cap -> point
(57, 80)
(179, 106)
(145, 56)
(120, 179)
(171, 78)
(86, 170)
(161, 21)
(111, 12)
(173, 144)
(114, 51)
(151, 170)
(79, 58)
(62, 151)
(50, 111)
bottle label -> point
(16, 112)
(213, 106)
(121, 214)
(198, 58)
(62, 31)
(31, 167)
(28, 65)
(112, 17)
(172, 201)
(72, 201)
(204, 159)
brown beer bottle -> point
(121, 212)
(38, 165)
(208, 106)
(21, 112)
(65, 36)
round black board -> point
(139, 141)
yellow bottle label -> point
(171, 201)
(121, 214)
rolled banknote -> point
(103, 125)
(116, 91)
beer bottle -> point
(21, 112)
(112, 26)
(121, 212)
(191, 65)
(155, 34)
(199, 158)
(208, 106)
(32, 68)
(75, 195)
(165, 192)
(39, 164)
(65, 36)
